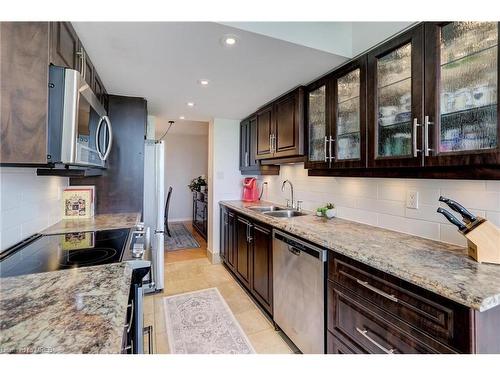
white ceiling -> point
(162, 62)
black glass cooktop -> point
(63, 251)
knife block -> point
(483, 241)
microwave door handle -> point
(109, 140)
(97, 133)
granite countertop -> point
(442, 268)
(82, 310)
(98, 222)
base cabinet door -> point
(262, 273)
(244, 251)
(230, 239)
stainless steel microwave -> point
(80, 132)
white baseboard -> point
(177, 219)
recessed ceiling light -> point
(229, 40)
(190, 104)
(203, 82)
(181, 117)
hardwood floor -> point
(188, 254)
(189, 270)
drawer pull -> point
(364, 333)
(376, 290)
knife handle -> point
(452, 219)
(457, 207)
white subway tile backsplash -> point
(420, 228)
(474, 199)
(382, 201)
(450, 234)
(494, 217)
(29, 203)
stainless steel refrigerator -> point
(154, 205)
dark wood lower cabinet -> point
(262, 265)
(370, 311)
(246, 250)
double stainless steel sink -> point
(276, 211)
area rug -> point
(181, 238)
(201, 322)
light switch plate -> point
(412, 199)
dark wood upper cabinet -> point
(348, 142)
(280, 127)
(395, 101)
(262, 266)
(27, 50)
(244, 144)
(64, 49)
(248, 150)
(24, 49)
(288, 134)
(460, 124)
(336, 119)
(265, 130)
(318, 123)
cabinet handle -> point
(415, 125)
(364, 333)
(246, 158)
(274, 143)
(427, 149)
(330, 150)
(270, 143)
(376, 290)
(326, 141)
(249, 233)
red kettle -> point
(250, 190)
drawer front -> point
(411, 311)
(336, 345)
(370, 332)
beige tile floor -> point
(187, 275)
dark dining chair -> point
(167, 206)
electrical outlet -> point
(412, 199)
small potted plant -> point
(330, 211)
(198, 185)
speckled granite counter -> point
(82, 310)
(98, 222)
(436, 266)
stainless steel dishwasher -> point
(299, 291)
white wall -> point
(381, 201)
(29, 203)
(186, 157)
(224, 178)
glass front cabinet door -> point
(318, 127)
(395, 88)
(347, 144)
(460, 124)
